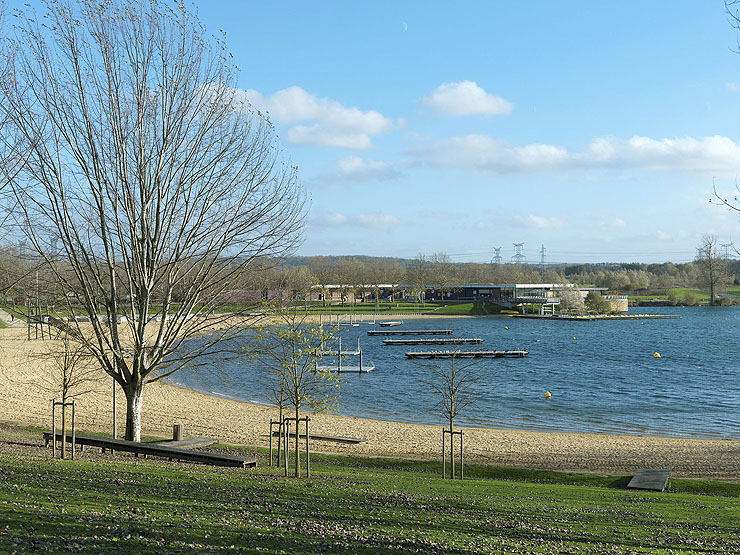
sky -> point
(594, 129)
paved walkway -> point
(8, 319)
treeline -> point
(21, 277)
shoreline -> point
(24, 401)
(464, 426)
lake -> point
(605, 380)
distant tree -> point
(712, 267)
(672, 297)
(571, 299)
(299, 282)
(594, 301)
(393, 273)
(442, 271)
(322, 269)
(417, 274)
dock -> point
(468, 354)
(435, 341)
(410, 332)
(346, 369)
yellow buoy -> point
(656, 354)
(574, 338)
(506, 327)
(547, 395)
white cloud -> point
(375, 220)
(485, 154)
(354, 169)
(320, 121)
(378, 220)
(464, 99)
(732, 87)
(539, 222)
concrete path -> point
(8, 319)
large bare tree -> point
(712, 267)
(147, 185)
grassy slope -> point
(350, 504)
(701, 296)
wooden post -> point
(270, 459)
(73, 423)
(444, 472)
(462, 474)
(308, 462)
(286, 430)
(452, 454)
(279, 439)
(339, 354)
(360, 360)
(53, 424)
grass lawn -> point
(681, 292)
(352, 505)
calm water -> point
(606, 380)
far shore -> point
(25, 401)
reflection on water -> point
(604, 380)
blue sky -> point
(594, 128)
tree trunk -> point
(134, 400)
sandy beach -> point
(25, 399)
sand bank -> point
(26, 399)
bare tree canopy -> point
(147, 183)
(712, 267)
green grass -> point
(680, 292)
(351, 504)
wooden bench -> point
(335, 439)
(193, 442)
(156, 450)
